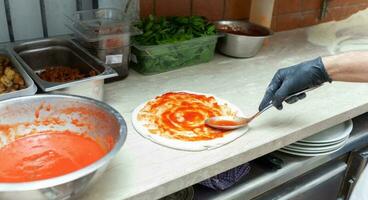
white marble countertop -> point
(145, 170)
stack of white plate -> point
(325, 142)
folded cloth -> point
(226, 179)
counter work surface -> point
(145, 170)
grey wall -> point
(4, 36)
(31, 19)
(26, 19)
(55, 11)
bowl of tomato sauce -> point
(242, 39)
(55, 146)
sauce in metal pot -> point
(237, 30)
(46, 155)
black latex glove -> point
(290, 80)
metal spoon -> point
(234, 122)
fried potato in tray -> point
(10, 79)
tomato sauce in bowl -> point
(46, 155)
(56, 146)
(245, 31)
(58, 141)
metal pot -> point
(245, 42)
(110, 132)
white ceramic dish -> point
(332, 134)
(322, 146)
(306, 144)
(323, 143)
(314, 149)
(308, 154)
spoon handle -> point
(300, 92)
(288, 97)
(260, 112)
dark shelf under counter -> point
(263, 179)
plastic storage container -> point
(117, 58)
(112, 42)
(102, 22)
(161, 58)
(105, 33)
(31, 88)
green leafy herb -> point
(173, 42)
(167, 30)
(162, 58)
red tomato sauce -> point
(225, 123)
(46, 155)
(177, 113)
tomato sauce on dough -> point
(46, 155)
(181, 115)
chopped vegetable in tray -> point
(10, 79)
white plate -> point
(308, 154)
(306, 144)
(320, 146)
(332, 134)
(314, 149)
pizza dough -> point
(166, 120)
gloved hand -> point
(290, 80)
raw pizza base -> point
(189, 145)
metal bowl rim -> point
(245, 22)
(46, 183)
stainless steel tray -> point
(31, 87)
(40, 54)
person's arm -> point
(352, 66)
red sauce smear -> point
(238, 30)
(46, 155)
(224, 123)
(175, 114)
